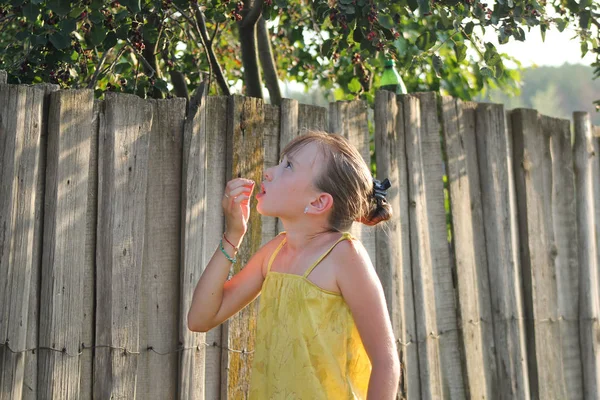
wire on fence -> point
(123, 349)
(431, 335)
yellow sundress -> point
(307, 344)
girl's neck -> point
(300, 239)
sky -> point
(557, 49)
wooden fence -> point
(110, 210)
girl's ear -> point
(321, 204)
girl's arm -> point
(215, 299)
(361, 288)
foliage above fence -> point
(110, 210)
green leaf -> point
(22, 35)
(485, 71)
(354, 86)
(134, 5)
(110, 41)
(585, 19)
(150, 33)
(40, 40)
(60, 7)
(519, 34)
(561, 24)
(161, 85)
(68, 25)
(326, 48)
(469, 28)
(76, 12)
(60, 40)
(386, 21)
(584, 49)
(426, 41)
(31, 12)
(491, 55)
(461, 51)
(424, 8)
(413, 5)
(96, 35)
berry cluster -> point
(235, 14)
(136, 36)
(336, 17)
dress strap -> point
(345, 235)
(276, 251)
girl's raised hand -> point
(236, 205)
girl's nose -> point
(268, 174)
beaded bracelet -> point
(232, 260)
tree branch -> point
(265, 54)
(253, 15)
(92, 82)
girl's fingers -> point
(236, 183)
(241, 198)
(239, 190)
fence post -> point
(587, 192)
(472, 281)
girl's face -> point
(288, 187)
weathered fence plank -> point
(271, 150)
(564, 217)
(214, 226)
(245, 155)
(442, 265)
(494, 151)
(312, 118)
(472, 281)
(393, 246)
(350, 119)
(586, 186)
(30, 379)
(63, 265)
(3, 77)
(21, 125)
(123, 172)
(423, 288)
(532, 165)
(159, 303)
(192, 361)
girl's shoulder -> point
(269, 248)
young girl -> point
(323, 329)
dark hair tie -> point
(380, 188)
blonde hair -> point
(347, 178)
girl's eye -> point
(288, 164)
